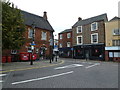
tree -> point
(12, 26)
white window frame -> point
(61, 36)
(92, 38)
(116, 31)
(29, 32)
(68, 44)
(44, 37)
(78, 29)
(60, 45)
(68, 35)
(96, 23)
(81, 40)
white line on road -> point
(93, 65)
(1, 81)
(2, 75)
(42, 78)
(69, 66)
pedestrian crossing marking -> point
(69, 66)
(2, 75)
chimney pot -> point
(79, 18)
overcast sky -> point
(63, 14)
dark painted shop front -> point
(92, 52)
(65, 52)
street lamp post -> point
(32, 46)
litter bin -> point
(4, 59)
(24, 56)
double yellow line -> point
(30, 68)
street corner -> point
(36, 65)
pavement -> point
(17, 66)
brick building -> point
(112, 49)
(43, 32)
(65, 43)
(89, 37)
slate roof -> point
(39, 21)
(67, 30)
(115, 18)
(91, 20)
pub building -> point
(89, 38)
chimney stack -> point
(79, 19)
(45, 15)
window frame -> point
(61, 36)
(44, 37)
(30, 32)
(69, 45)
(78, 29)
(92, 38)
(60, 45)
(81, 40)
(68, 35)
(116, 30)
(96, 23)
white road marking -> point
(1, 81)
(42, 78)
(2, 75)
(92, 65)
(69, 66)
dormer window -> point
(79, 29)
(94, 26)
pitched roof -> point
(39, 21)
(115, 18)
(67, 30)
(91, 20)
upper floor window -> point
(68, 44)
(79, 40)
(44, 36)
(60, 45)
(116, 42)
(60, 36)
(30, 33)
(116, 31)
(79, 29)
(94, 38)
(94, 26)
(68, 35)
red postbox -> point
(24, 56)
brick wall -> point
(86, 33)
(64, 39)
(39, 43)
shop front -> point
(65, 52)
(92, 52)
